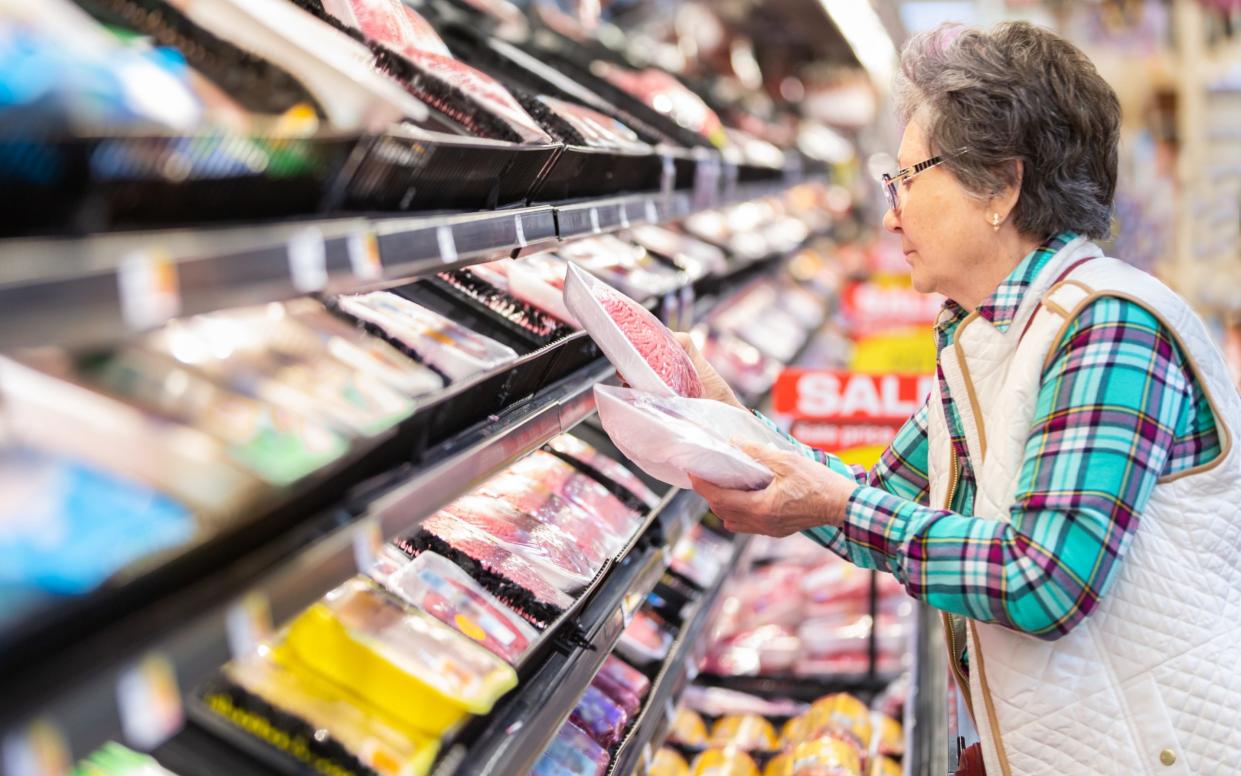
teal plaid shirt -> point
(1118, 408)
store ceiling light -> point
(866, 35)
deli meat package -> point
(441, 343)
(443, 590)
(567, 444)
(671, 437)
(641, 348)
(620, 519)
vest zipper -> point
(953, 481)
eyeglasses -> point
(890, 181)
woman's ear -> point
(1005, 202)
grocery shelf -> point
(650, 727)
(927, 733)
(194, 632)
(96, 289)
(523, 724)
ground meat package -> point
(638, 345)
(567, 444)
(671, 437)
(600, 716)
(533, 498)
(442, 589)
(444, 344)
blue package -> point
(65, 528)
(572, 753)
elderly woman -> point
(1069, 495)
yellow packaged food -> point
(885, 766)
(840, 711)
(748, 732)
(313, 720)
(688, 728)
(826, 757)
(780, 765)
(887, 735)
(724, 762)
(401, 660)
(794, 731)
(668, 763)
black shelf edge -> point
(928, 751)
(650, 728)
(97, 289)
(247, 599)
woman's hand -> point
(714, 386)
(803, 494)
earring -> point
(995, 221)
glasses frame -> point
(889, 181)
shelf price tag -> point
(623, 216)
(652, 212)
(150, 293)
(149, 702)
(629, 606)
(364, 256)
(39, 749)
(447, 244)
(308, 260)
(594, 221)
(367, 543)
(521, 232)
(248, 623)
(691, 668)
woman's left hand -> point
(803, 494)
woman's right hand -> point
(714, 386)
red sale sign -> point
(870, 307)
(842, 411)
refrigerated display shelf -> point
(93, 290)
(651, 725)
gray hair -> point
(1017, 92)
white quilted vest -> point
(1150, 682)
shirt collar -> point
(1001, 307)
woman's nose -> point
(892, 221)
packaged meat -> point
(696, 257)
(618, 693)
(530, 496)
(443, 590)
(443, 344)
(825, 757)
(552, 547)
(572, 753)
(359, 350)
(389, 22)
(66, 528)
(315, 722)
(494, 558)
(700, 556)
(623, 265)
(748, 732)
(887, 735)
(592, 128)
(572, 446)
(840, 712)
(645, 640)
(576, 487)
(599, 716)
(539, 280)
(667, 762)
(664, 93)
(763, 650)
(538, 326)
(672, 438)
(262, 353)
(724, 762)
(278, 445)
(718, 701)
(401, 660)
(688, 728)
(619, 672)
(112, 759)
(744, 367)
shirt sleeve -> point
(1104, 423)
(901, 471)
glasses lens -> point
(889, 190)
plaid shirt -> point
(1118, 408)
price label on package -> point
(38, 749)
(248, 623)
(150, 294)
(308, 260)
(364, 256)
(149, 701)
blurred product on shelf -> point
(579, 488)
(610, 682)
(667, 762)
(641, 348)
(701, 555)
(623, 267)
(720, 701)
(442, 589)
(646, 640)
(536, 280)
(724, 762)
(748, 732)
(541, 328)
(696, 257)
(666, 94)
(585, 127)
(113, 759)
(578, 450)
(600, 716)
(572, 751)
(688, 728)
